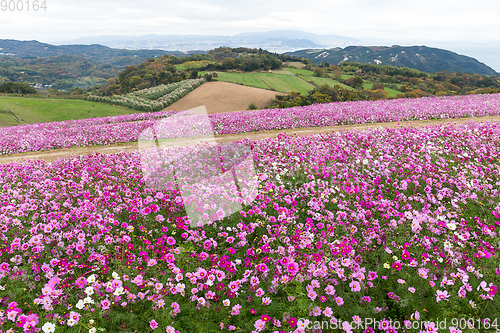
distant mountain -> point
(67, 66)
(274, 41)
(100, 53)
(423, 58)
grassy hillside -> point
(272, 81)
(321, 80)
(36, 110)
(246, 79)
(286, 83)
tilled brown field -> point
(224, 97)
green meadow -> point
(37, 110)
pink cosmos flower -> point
(397, 265)
(81, 282)
(292, 267)
(260, 325)
(430, 327)
(442, 295)
(355, 286)
(454, 330)
(153, 324)
(105, 304)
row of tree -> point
(326, 94)
(410, 82)
(17, 88)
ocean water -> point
(487, 53)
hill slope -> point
(423, 58)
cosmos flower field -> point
(120, 129)
(391, 224)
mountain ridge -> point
(424, 58)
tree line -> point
(17, 88)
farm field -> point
(54, 154)
(220, 97)
(285, 83)
(300, 71)
(247, 79)
(105, 131)
(298, 64)
(381, 223)
(263, 232)
(40, 110)
(279, 82)
(330, 82)
(151, 99)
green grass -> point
(367, 85)
(330, 82)
(297, 64)
(392, 92)
(286, 83)
(301, 71)
(37, 110)
(279, 82)
(247, 79)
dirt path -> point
(53, 155)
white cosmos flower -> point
(451, 226)
(115, 275)
(88, 300)
(48, 328)
(91, 278)
(118, 291)
(89, 291)
(80, 305)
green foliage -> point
(245, 59)
(17, 88)
(252, 106)
(319, 72)
(194, 74)
(354, 82)
(69, 68)
(64, 84)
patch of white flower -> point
(151, 99)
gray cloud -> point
(422, 20)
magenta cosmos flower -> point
(292, 267)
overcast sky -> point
(422, 21)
